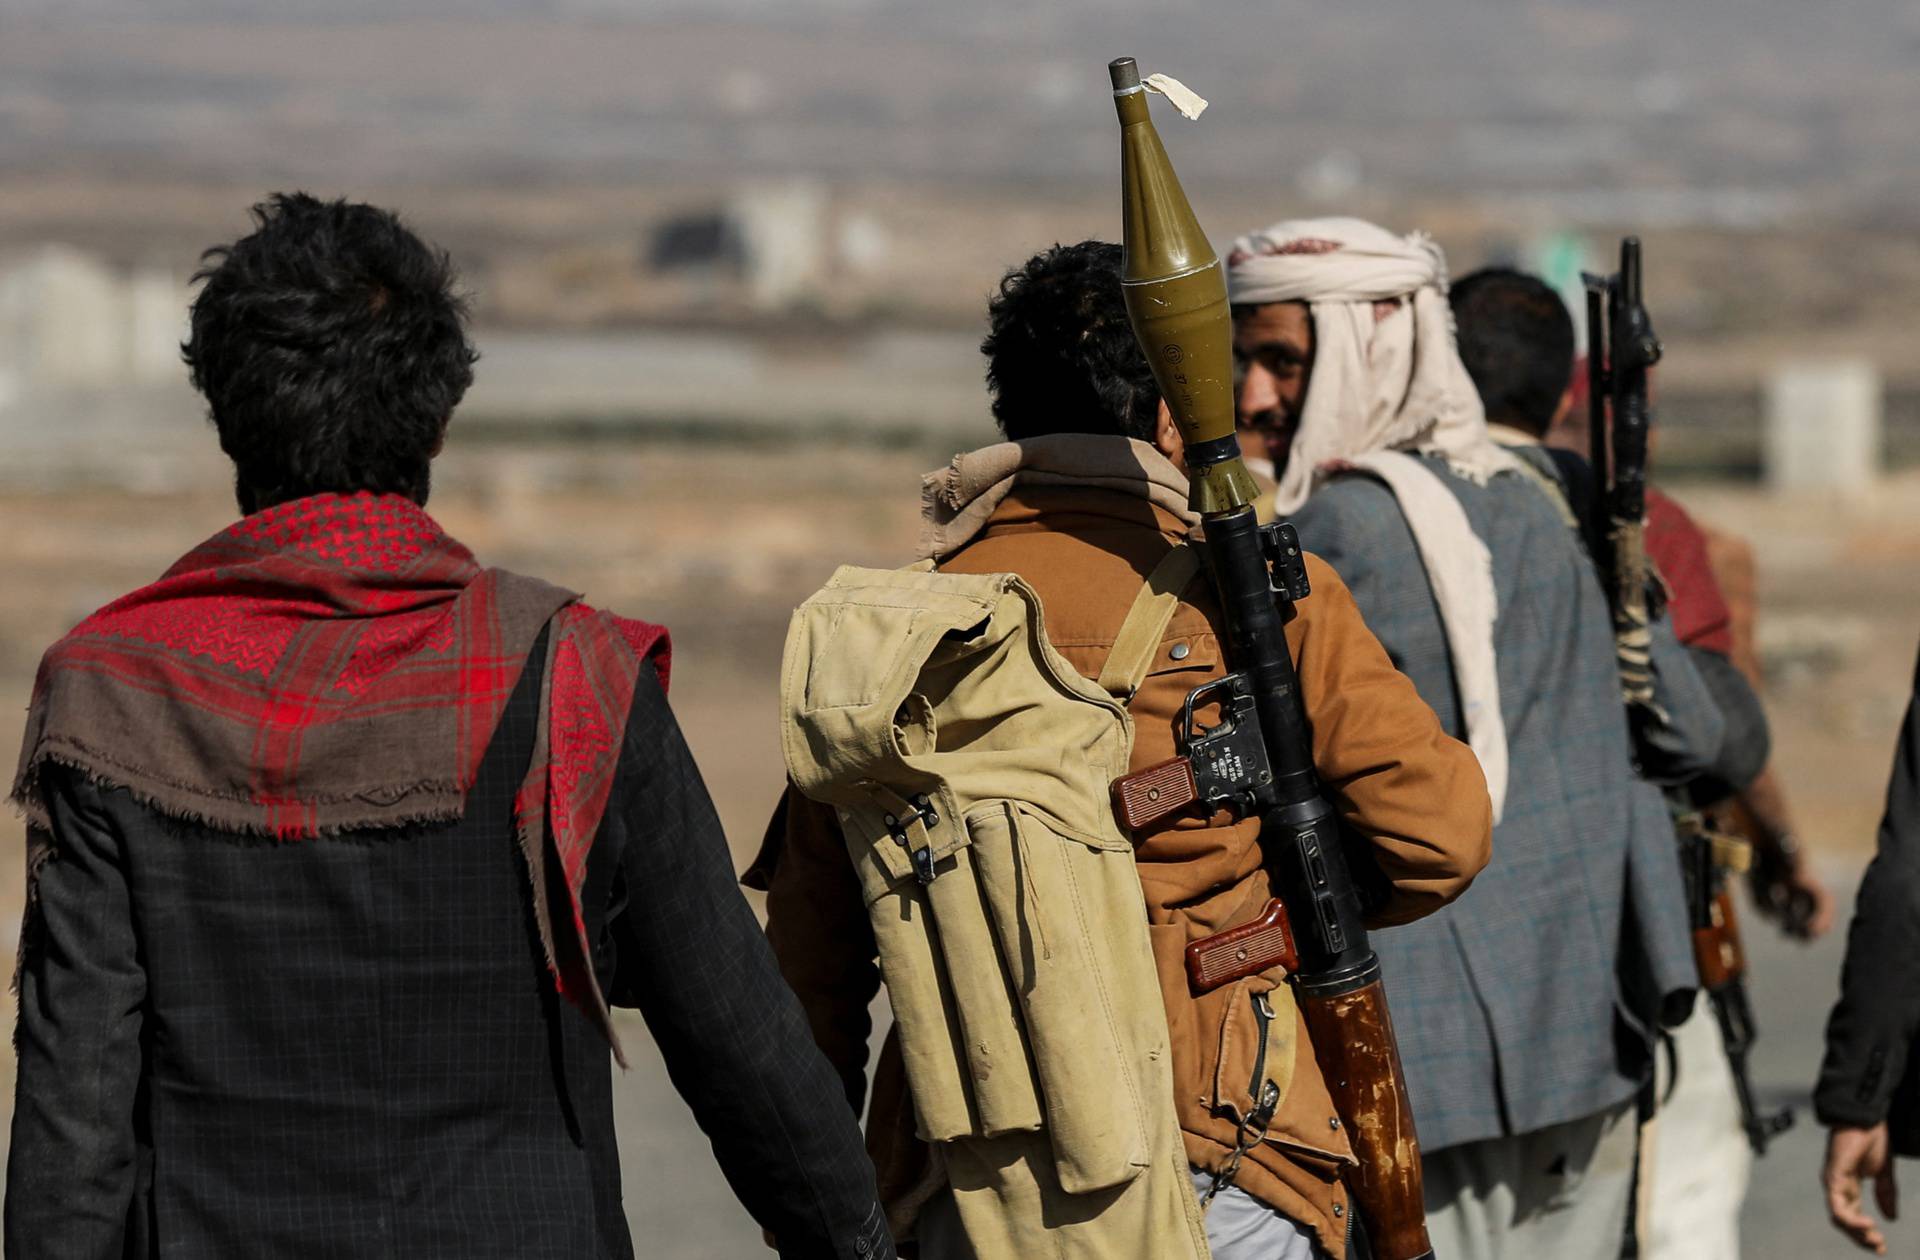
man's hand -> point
(1790, 894)
(1852, 1156)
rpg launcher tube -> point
(1177, 300)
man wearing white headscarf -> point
(1511, 1003)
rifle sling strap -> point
(1550, 487)
(1146, 624)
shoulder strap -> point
(1551, 487)
(1146, 622)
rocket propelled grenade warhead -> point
(1176, 297)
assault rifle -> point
(1708, 859)
(1621, 347)
(1259, 759)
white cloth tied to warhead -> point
(1387, 383)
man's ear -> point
(1166, 437)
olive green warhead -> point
(1177, 302)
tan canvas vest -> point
(969, 765)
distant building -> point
(704, 244)
(70, 321)
(771, 240)
(1823, 423)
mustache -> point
(1270, 419)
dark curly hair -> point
(331, 348)
(1061, 357)
(1516, 339)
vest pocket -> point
(952, 1000)
(985, 1007)
(1257, 1043)
(1258, 1048)
(1070, 927)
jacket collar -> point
(958, 501)
(1507, 435)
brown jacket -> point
(1416, 795)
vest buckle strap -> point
(928, 817)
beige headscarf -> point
(957, 500)
(1384, 379)
(1387, 383)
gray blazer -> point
(1527, 1002)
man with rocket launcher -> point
(1255, 1105)
(1324, 888)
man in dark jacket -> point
(339, 846)
(1869, 1091)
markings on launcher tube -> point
(1229, 764)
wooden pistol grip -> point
(1144, 797)
(1716, 947)
(1353, 1041)
(1243, 951)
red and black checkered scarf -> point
(339, 663)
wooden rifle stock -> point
(1716, 944)
(1722, 961)
(1353, 1040)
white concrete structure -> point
(157, 304)
(70, 321)
(1823, 426)
(783, 230)
(92, 388)
(63, 320)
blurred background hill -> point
(795, 196)
(574, 153)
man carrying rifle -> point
(1521, 1057)
(1083, 501)
(1516, 340)
(1709, 574)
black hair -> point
(331, 348)
(1061, 356)
(1516, 339)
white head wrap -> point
(1384, 379)
(1387, 382)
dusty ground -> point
(722, 544)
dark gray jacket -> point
(351, 1046)
(1871, 1072)
(1524, 1003)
